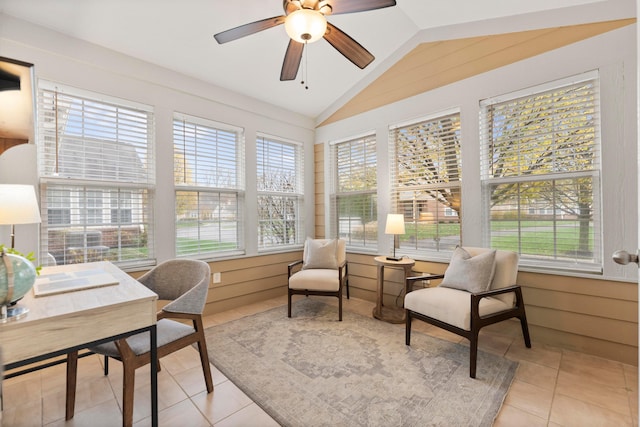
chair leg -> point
(72, 375)
(340, 306)
(106, 365)
(128, 388)
(204, 356)
(407, 328)
(473, 353)
(289, 304)
(525, 330)
(347, 284)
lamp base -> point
(393, 258)
(7, 314)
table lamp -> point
(395, 226)
(18, 205)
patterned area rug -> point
(312, 370)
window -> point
(354, 200)
(91, 147)
(280, 181)
(426, 182)
(541, 174)
(209, 178)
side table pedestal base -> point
(390, 314)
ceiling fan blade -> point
(347, 46)
(351, 6)
(248, 29)
(291, 62)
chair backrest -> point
(505, 273)
(184, 281)
(340, 253)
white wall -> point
(613, 54)
(72, 62)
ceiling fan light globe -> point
(305, 25)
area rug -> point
(312, 370)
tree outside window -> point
(541, 174)
(280, 192)
(426, 182)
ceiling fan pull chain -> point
(304, 67)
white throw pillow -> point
(320, 253)
(467, 273)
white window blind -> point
(280, 176)
(426, 182)
(96, 167)
(354, 202)
(541, 174)
(209, 179)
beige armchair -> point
(479, 289)
(322, 271)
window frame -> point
(224, 191)
(434, 221)
(369, 240)
(523, 181)
(292, 200)
(117, 137)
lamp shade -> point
(18, 204)
(305, 25)
(395, 224)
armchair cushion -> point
(470, 273)
(320, 253)
(451, 306)
(319, 279)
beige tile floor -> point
(552, 387)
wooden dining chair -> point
(185, 283)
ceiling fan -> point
(305, 22)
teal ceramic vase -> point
(24, 276)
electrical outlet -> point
(216, 278)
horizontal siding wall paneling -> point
(595, 327)
(243, 300)
(607, 349)
(248, 280)
(580, 285)
(582, 304)
(226, 292)
(362, 276)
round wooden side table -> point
(380, 311)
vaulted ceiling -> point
(430, 43)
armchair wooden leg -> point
(525, 331)
(72, 375)
(340, 307)
(407, 328)
(473, 353)
(289, 305)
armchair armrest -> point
(343, 271)
(475, 299)
(492, 292)
(291, 266)
(409, 280)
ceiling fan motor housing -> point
(291, 6)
